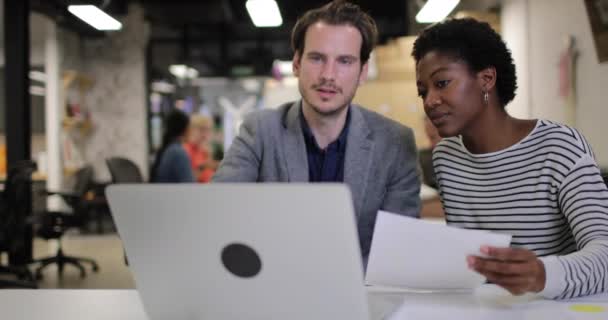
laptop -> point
(242, 251)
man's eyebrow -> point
(314, 53)
(349, 56)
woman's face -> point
(451, 94)
(200, 134)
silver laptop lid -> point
(247, 251)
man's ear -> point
(487, 78)
(295, 65)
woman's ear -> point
(487, 78)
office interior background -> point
(87, 97)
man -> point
(323, 138)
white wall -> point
(117, 99)
(549, 22)
(38, 23)
(514, 28)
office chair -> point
(124, 170)
(52, 225)
(14, 214)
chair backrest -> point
(124, 170)
(16, 203)
(83, 180)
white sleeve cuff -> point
(555, 278)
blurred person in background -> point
(199, 148)
(172, 163)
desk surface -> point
(125, 304)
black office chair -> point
(52, 225)
(14, 215)
(124, 170)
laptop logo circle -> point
(241, 260)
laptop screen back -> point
(246, 251)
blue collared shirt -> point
(325, 165)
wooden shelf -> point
(82, 126)
(72, 77)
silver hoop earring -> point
(486, 97)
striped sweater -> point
(546, 191)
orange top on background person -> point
(198, 147)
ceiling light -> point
(264, 13)
(435, 10)
(182, 71)
(163, 87)
(37, 75)
(95, 17)
(284, 68)
(37, 91)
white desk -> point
(71, 305)
(125, 304)
(488, 302)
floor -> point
(105, 249)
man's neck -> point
(325, 129)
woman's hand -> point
(515, 269)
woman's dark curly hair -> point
(176, 125)
(476, 44)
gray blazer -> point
(379, 167)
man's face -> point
(329, 68)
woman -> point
(198, 147)
(534, 179)
(172, 163)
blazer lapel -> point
(294, 150)
(359, 153)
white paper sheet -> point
(416, 254)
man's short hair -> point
(337, 13)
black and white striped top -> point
(546, 191)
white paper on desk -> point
(411, 253)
